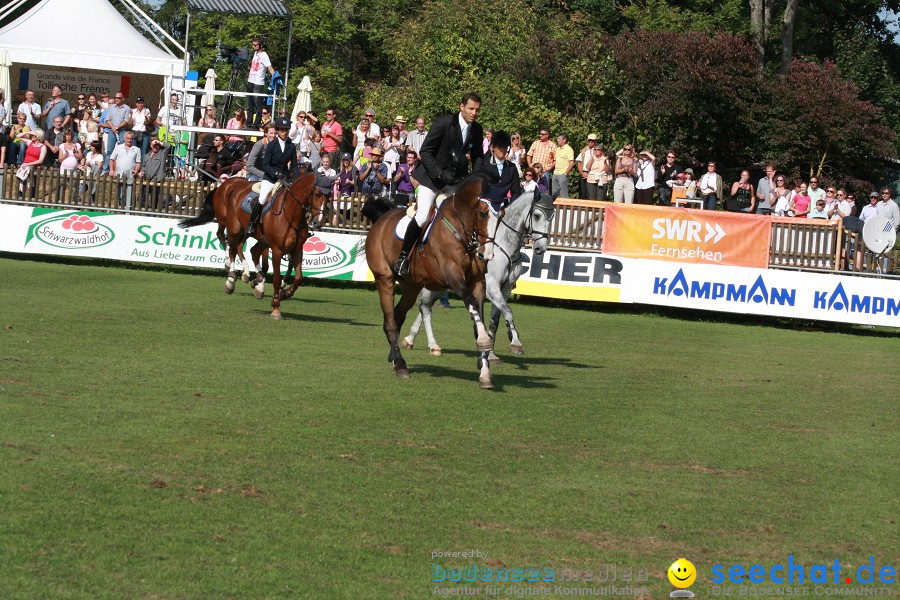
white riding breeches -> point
(424, 201)
(265, 189)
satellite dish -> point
(879, 235)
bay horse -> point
(296, 210)
(448, 259)
(527, 217)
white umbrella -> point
(304, 98)
(209, 86)
(5, 64)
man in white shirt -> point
(814, 192)
(870, 209)
(417, 136)
(256, 81)
(124, 163)
(374, 129)
(31, 109)
(888, 209)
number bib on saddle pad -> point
(249, 199)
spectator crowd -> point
(106, 135)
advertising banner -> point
(686, 235)
(587, 276)
(154, 240)
(72, 81)
(772, 292)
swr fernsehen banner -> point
(686, 235)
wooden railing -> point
(46, 186)
(577, 224)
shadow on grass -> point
(299, 316)
(522, 361)
(501, 380)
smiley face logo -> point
(682, 573)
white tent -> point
(115, 44)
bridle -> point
(309, 214)
(469, 241)
(520, 236)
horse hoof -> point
(516, 349)
(402, 373)
(229, 287)
(245, 277)
(436, 351)
(484, 344)
(276, 315)
(259, 291)
(486, 383)
(406, 344)
(494, 361)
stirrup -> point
(402, 266)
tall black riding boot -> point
(412, 234)
(256, 209)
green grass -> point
(159, 439)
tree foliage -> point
(678, 74)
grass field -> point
(159, 439)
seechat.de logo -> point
(793, 573)
(72, 230)
(682, 573)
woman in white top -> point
(645, 181)
(516, 154)
(530, 181)
(88, 129)
(301, 133)
(392, 145)
(91, 166)
(597, 166)
(140, 116)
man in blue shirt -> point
(118, 121)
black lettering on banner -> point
(575, 268)
(545, 262)
(607, 270)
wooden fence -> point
(577, 224)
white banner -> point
(154, 240)
(565, 275)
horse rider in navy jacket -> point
(279, 160)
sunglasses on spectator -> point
(528, 175)
(830, 191)
(841, 194)
(885, 193)
(81, 97)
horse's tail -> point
(207, 213)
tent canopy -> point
(120, 47)
(270, 8)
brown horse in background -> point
(296, 209)
(449, 259)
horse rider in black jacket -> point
(279, 160)
(452, 141)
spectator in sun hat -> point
(400, 122)
(374, 175)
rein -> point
(309, 213)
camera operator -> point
(256, 82)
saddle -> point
(250, 198)
(403, 223)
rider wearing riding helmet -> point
(501, 182)
(279, 160)
(451, 142)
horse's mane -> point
(469, 191)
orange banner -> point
(686, 235)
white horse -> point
(528, 215)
